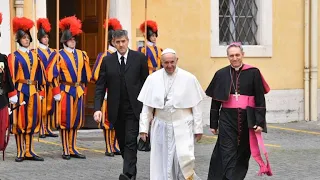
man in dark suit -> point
(123, 73)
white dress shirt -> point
(125, 56)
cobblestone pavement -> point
(294, 151)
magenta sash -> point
(255, 138)
(243, 102)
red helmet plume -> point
(22, 23)
(150, 24)
(72, 23)
(45, 24)
(44, 28)
(21, 27)
(113, 24)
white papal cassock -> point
(174, 124)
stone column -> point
(18, 5)
(122, 11)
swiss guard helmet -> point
(70, 27)
(44, 27)
(21, 27)
(152, 28)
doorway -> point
(92, 15)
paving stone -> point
(293, 155)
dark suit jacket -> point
(136, 72)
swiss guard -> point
(29, 79)
(46, 55)
(73, 72)
(153, 52)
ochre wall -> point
(184, 25)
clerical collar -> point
(111, 48)
(42, 46)
(237, 68)
(70, 50)
(23, 49)
(150, 43)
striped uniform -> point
(29, 79)
(73, 71)
(109, 132)
(48, 104)
(154, 57)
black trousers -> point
(127, 131)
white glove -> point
(57, 97)
(106, 96)
(13, 99)
(41, 97)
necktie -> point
(122, 65)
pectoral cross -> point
(237, 96)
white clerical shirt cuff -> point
(144, 123)
(146, 116)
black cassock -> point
(230, 157)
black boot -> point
(66, 157)
(34, 158)
(80, 156)
(109, 154)
(19, 159)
